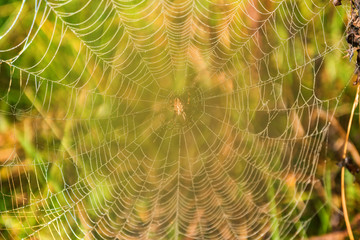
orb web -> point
(166, 119)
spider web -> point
(194, 119)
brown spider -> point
(179, 108)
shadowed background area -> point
(167, 119)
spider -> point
(179, 108)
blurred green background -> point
(93, 146)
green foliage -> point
(90, 140)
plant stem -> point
(343, 202)
(343, 199)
